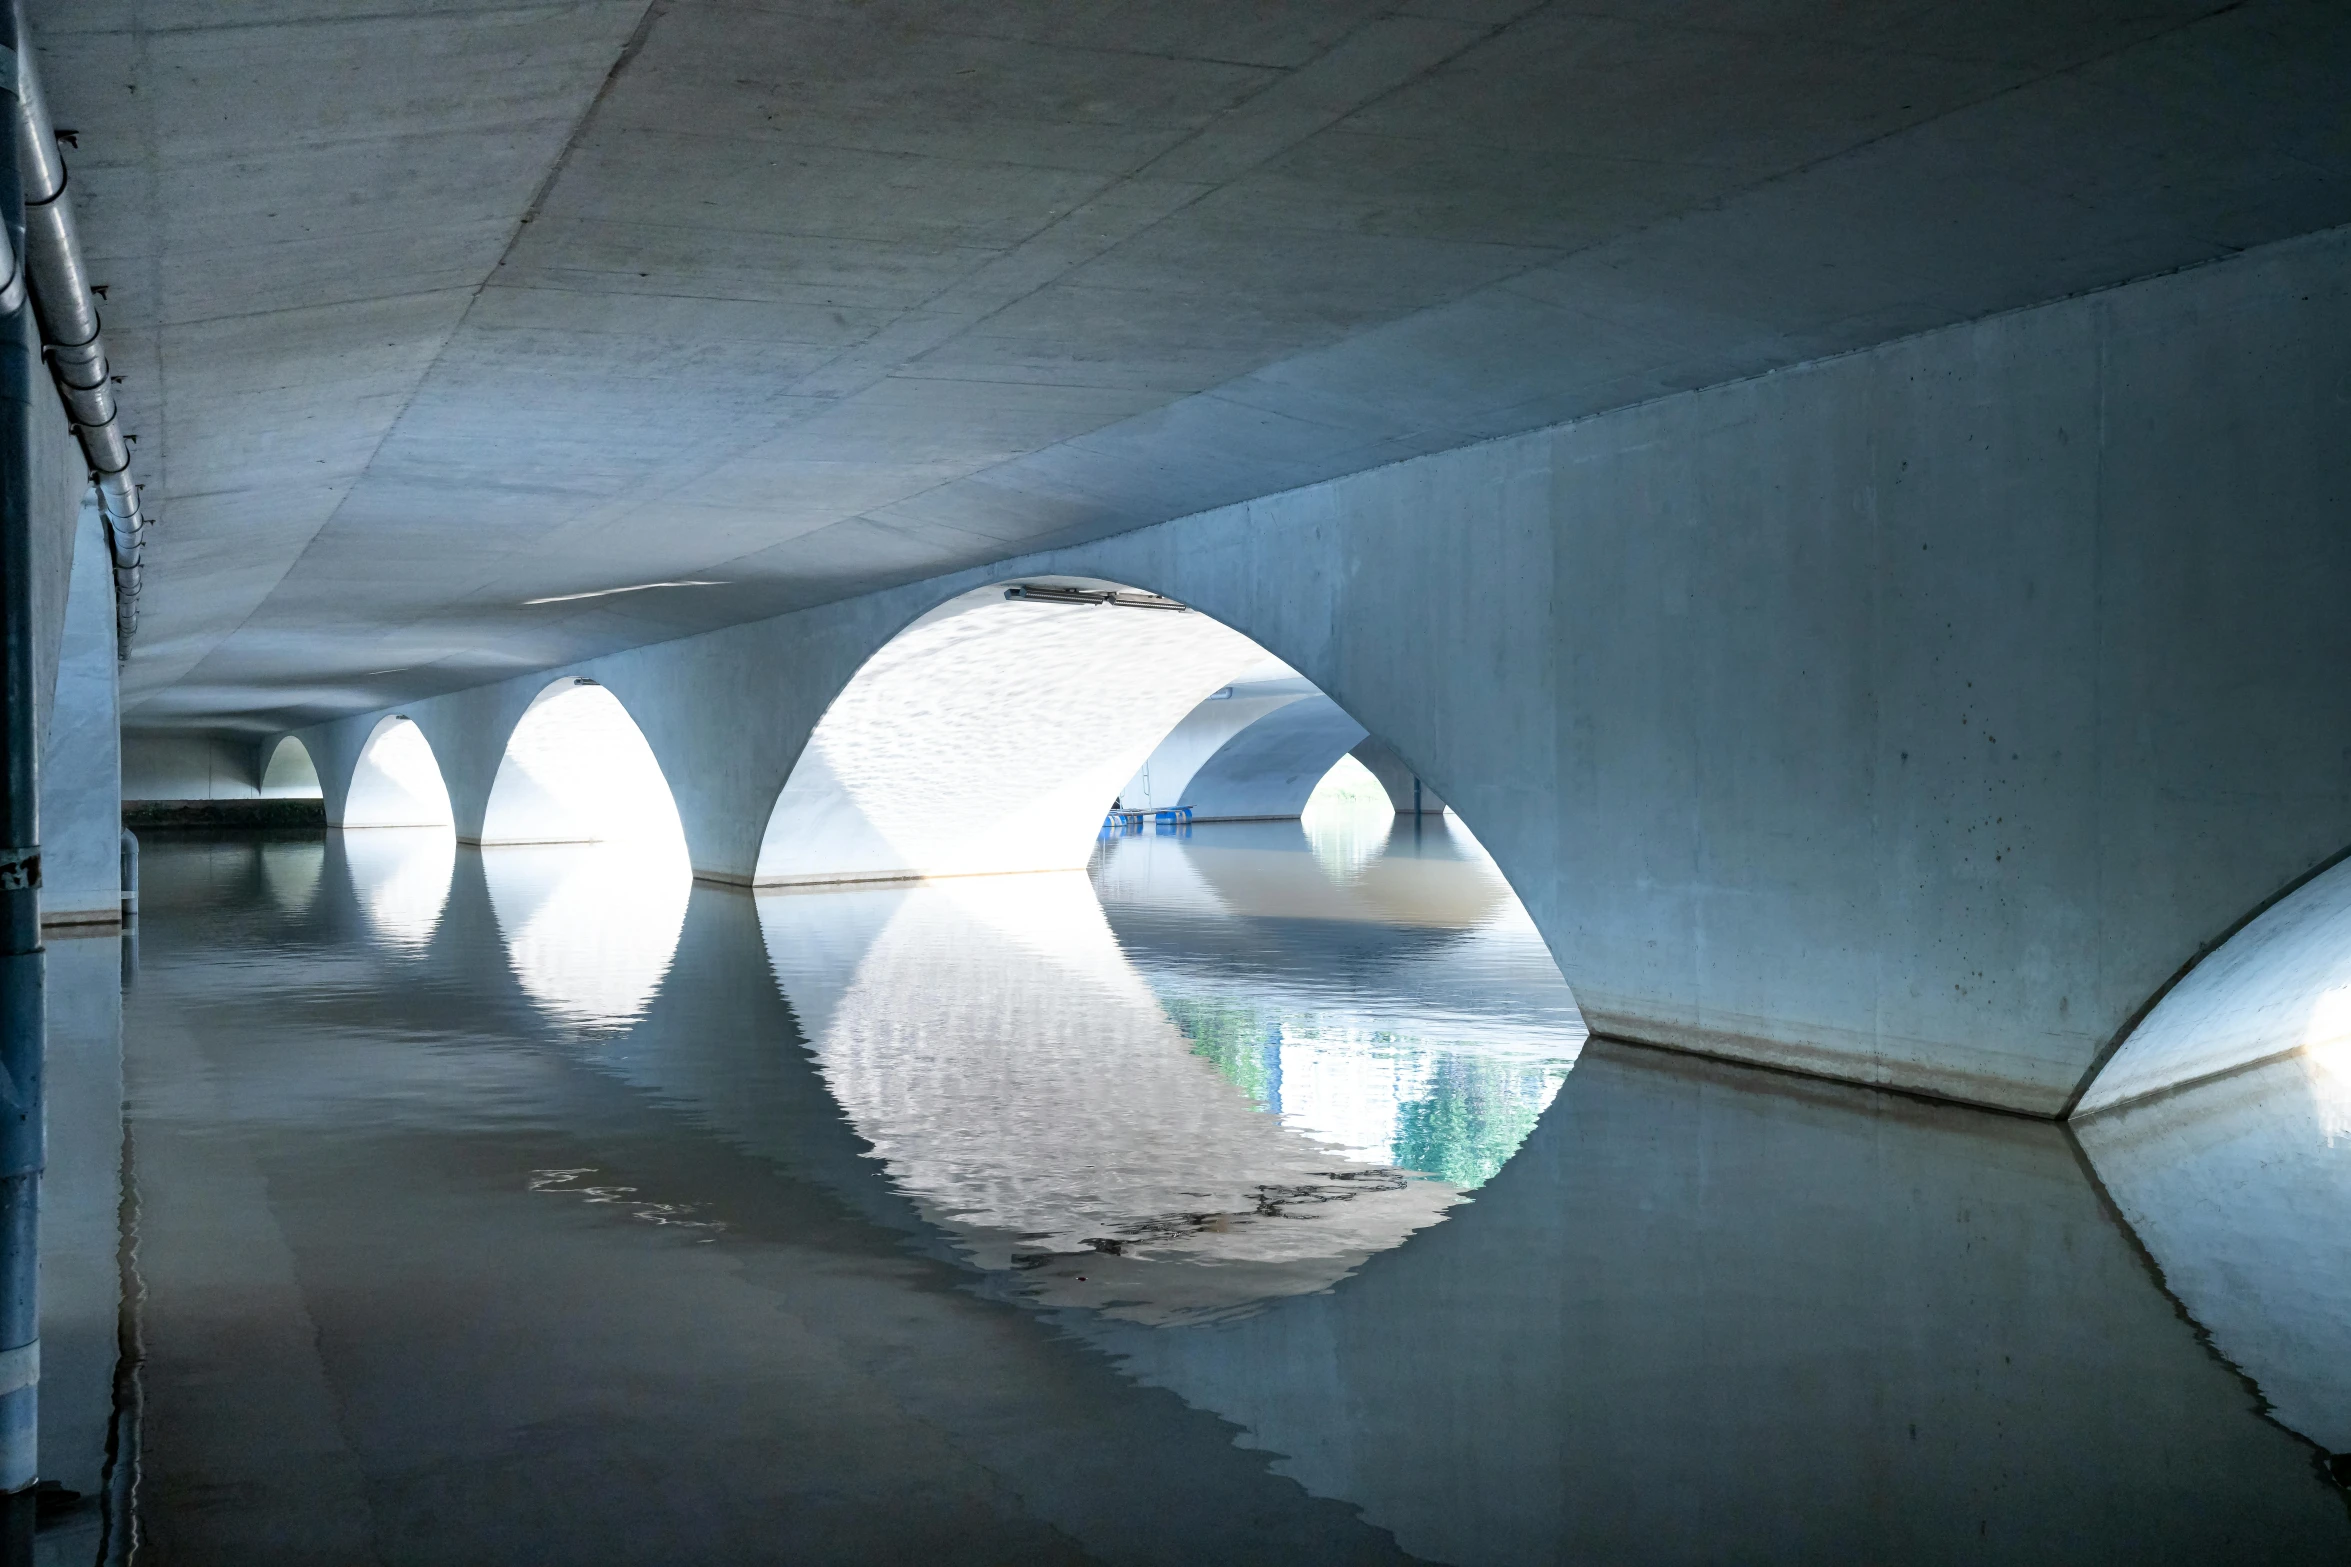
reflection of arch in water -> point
(291, 871)
(1029, 1092)
(402, 880)
(2221, 1127)
(289, 774)
(2237, 1188)
(590, 929)
(577, 769)
(396, 781)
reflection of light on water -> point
(1347, 819)
(590, 928)
(1435, 1048)
(291, 871)
(2326, 1045)
(1029, 1092)
(1439, 1107)
(402, 876)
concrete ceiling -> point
(433, 309)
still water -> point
(1255, 1197)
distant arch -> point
(577, 769)
(1257, 749)
(397, 781)
(290, 774)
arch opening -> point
(577, 769)
(584, 855)
(290, 773)
(1313, 991)
(2276, 988)
(397, 781)
(991, 735)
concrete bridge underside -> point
(1912, 717)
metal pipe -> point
(66, 306)
(22, 1004)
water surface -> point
(1251, 1199)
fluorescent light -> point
(600, 593)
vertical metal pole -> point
(22, 1025)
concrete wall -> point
(1398, 779)
(1909, 717)
(159, 765)
(60, 484)
(1270, 768)
(1252, 752)
(1164, 776)
(81, 761)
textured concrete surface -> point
(81, 758)
(1270, 768)
(1912, 717)
(1252, 751)
(428, 311)
(60, 482)
(167, 765)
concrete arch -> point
(577, 769)
(396, 781)
(1270, 768)
(2279, 986)
(1240, 754)
(289, 773)
(989, 736)
(1673, 666)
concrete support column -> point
(1407, 791)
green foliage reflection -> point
(1443, 1108)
